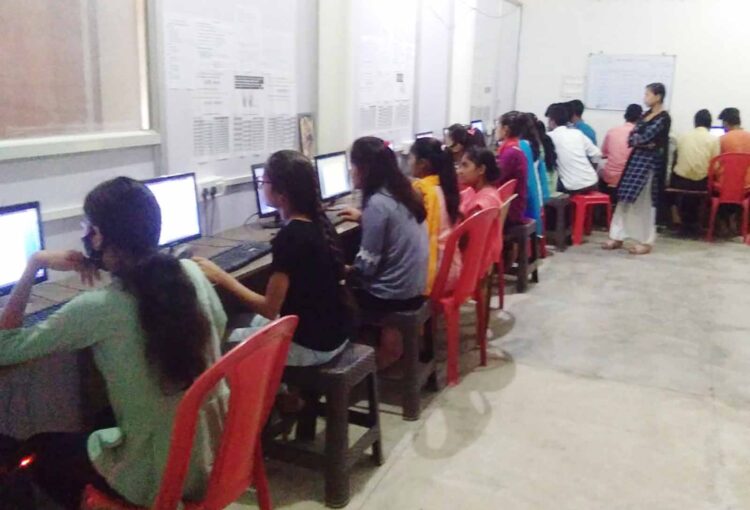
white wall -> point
(462, 61)
(434, 45)
(709, 37)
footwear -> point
(640, 249)
(612, 245)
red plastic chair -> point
(583, 210)
(507, 190)
(448, 302)
(500, 262)
(729, 188)
(253, 373)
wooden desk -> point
(46, 395)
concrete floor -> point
(616, 383)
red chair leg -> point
(542, 247)
(712, 219)
(579, 219)
(501, 283)
(609, 214)
(261, 481)
(452, 340)
(589, 219)
(745, 217)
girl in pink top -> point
(478, 170)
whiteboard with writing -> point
(615, 81)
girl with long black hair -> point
(390, 269)
(152, 332)
(307, 271)
(437, 184)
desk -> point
(46, 395)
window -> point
(73, 71)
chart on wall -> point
(615, 81)
(240, 76)
(384, 66)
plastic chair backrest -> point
(253, 373)
(476, 229)
(730, 184)
(507, 190)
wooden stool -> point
(525, 237)
(559, 235)
(337, 381)
(418, 370)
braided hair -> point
(292, 175)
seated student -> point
(390, 270)
(152, 332)
(537, 169)
(575, 154)
(478, 170)
(307, 270)
(437, 184)
(616, 149)
(512, 164)
(736, 139)
(576, 108)
(695, 150)
(461, 138)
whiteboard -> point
(615, 81)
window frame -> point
(149, 135)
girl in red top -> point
(479, 171)
(513, 165)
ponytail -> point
(176, 328)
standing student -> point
(576, 108)
(437, 184)
(390, 269)
(695, 150)
(616, 149)
(478, 170)
(635, 215)
(152, 332)
(307, 271)
(575, 154)
(513, 164)
(461, 138)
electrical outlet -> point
(211, 187)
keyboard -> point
(240, 256)
(334, 218)
(42, 315)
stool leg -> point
(589, 220)
(337, 445)
(561, 238)
(522, 280)
(579, 219)
(535, 259)
(374, 412)
(410, 405)
(452, 348)
(308, 418)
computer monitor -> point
(717, 131)
(423, 134)
(178, 200)
(333, 175)
(478, 124)
(21, 232)
(264, 210)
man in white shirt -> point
(575, 153)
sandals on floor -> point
(640, 249)
(612, 245)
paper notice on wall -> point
(180, 53)
(572, 87)
(210, 128)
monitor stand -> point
(181, 251)
(271, 223)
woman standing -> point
(638, 192)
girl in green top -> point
(152, 332)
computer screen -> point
(424, 134)
(333, 175)
(718, 131)
(178, 201)
(21, 232)
(264, 210)
(478, 124)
